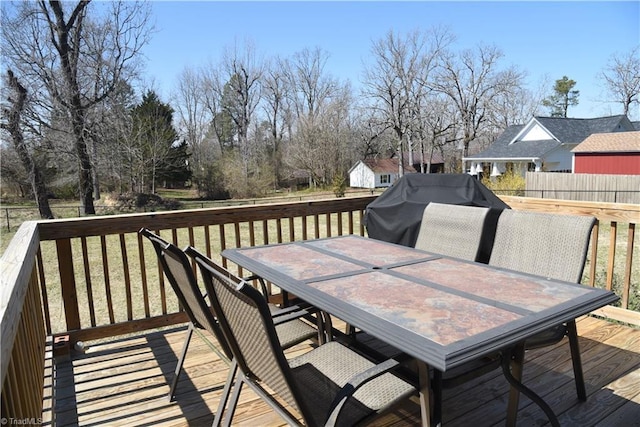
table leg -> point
(436, 388)
(516, 358)
(425, 393)
(512, 360)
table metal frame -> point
(327, 273)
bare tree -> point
(516, 107)
(78, 57)
(11, 115)
(396, 81)
(275, 94)
(193, 116)
(621, 76)
(311, 85)
(212, 88)
(112, 146)
(241, 93)
(434, 130)
(474, 81)
(321, 126)
(372, 137)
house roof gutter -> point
(501, 159)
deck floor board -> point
(125, 381)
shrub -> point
(128, 202)
(339, 185)
(509, 184)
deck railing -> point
(95, 277)
(23, 329)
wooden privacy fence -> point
(583, 187)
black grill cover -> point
(395, 216)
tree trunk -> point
(85, 175)
(74, 100)
(96, 180)
(13, 126)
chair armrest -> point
(292, 308)
(280, 318)
(263, 286)
(354, 384)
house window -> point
(385, 179)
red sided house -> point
(608, 153)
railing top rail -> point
(128, 223)
(16, 266)
(603, 211)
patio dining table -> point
(441, 311)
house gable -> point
(374, 173)
(533, 131)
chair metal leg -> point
(178, 370)
(224, 398)
(327, 325)
(350, 330)
(572, 333)
(320, 324)
(233, 403)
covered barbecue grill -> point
(396, 215)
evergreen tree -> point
(175, 170)
(563, 97)
(159, 156)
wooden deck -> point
(125, 382)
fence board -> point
(585, 187)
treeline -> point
(243, 125)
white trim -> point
(528, 127)
(500, 159)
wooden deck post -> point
(68, 283)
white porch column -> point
(538, 164)
(497, 169)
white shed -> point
(373, 173)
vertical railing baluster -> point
(628, 264)
(612, 254)
(87, 276)
(143, 277)
(127, 277)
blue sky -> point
(551, 39)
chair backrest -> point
(544, 244)
(249, 329)
(177, 269)
(452, 230)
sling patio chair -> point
(178, 270)
(329, 385)
(548, 245)
(541, 244)
(452, 230)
